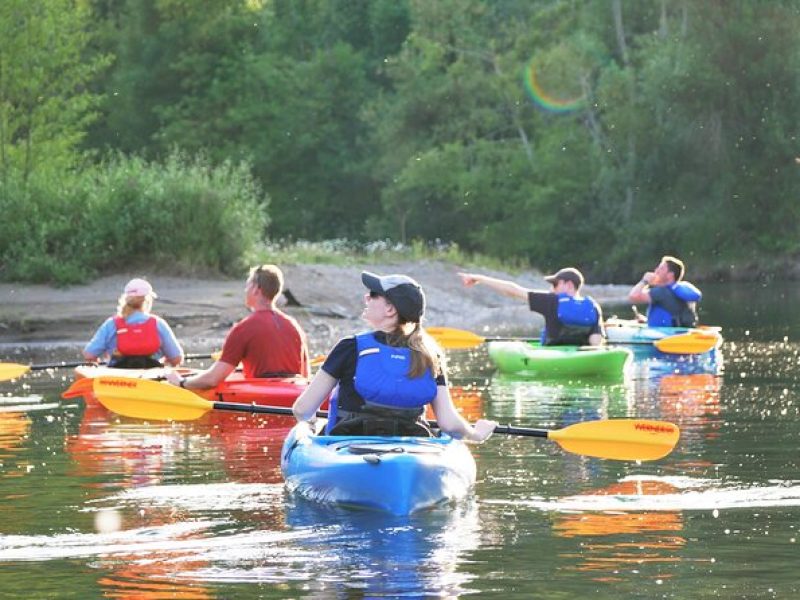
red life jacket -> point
(137, 340)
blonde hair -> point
(126, 305)
(425, 352)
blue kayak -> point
(625, 331)
(397, 475)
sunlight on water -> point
(147, 543)
(684, 494)
(204, 497)
(119, 508)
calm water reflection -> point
(202, 512)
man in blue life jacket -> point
(672, 301)
(569, 318)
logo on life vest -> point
(397, 356)
(652, 428)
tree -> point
(45, 106)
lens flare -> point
(550, 103)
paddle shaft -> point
(72, 365)
(277, 410)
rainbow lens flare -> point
(548, 102)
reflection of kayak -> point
(398, 475)
(625, 331)
(279, 391)
(531, 359)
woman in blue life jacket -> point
(134, 338)
(383, 379)
(671, 301)
(569, 318)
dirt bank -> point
(40, 320)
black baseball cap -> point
(404, 293)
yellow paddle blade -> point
(455, 339)
(216, 355)
(619, 439)
(318, 360)
(149, 400)
(10, 371)
(692, 342)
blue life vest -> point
(578, 316)
(686, 291)
(381, 377)
(677, 309)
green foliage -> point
(349, 252)
(599, 134)
(182, 215)
(44, 68)
(182, 211)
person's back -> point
(134, 338)
(268, 343)
(577, 319)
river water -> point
(92, 506)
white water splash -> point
(19, 408)
(163, 544)
(691, 495)
(203, 497)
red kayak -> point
(236, 388)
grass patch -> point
(345, 252)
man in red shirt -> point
(268, 343)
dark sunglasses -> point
(374, 295)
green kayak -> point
(531, 359)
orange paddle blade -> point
(79, 388)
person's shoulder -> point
(542, 297)
(348, 340)
(658, 291)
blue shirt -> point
(104, 340)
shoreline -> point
(46, 321)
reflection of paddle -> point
(619, 439)
(691, 342)
(14, 370)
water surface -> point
(96, 506)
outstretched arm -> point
(507, 288)
(205, 379)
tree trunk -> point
(663, 23)
(616, 8)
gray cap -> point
(404, 293)
(567, 274)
